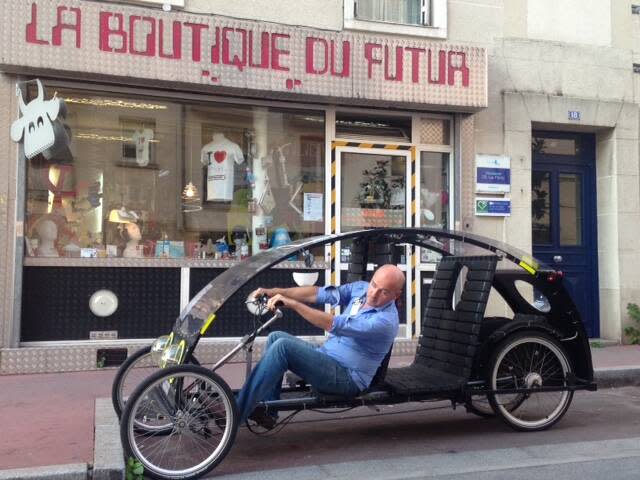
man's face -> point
(382, 289)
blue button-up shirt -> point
(360, 337)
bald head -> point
(385, 286)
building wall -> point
(326, 14)
(545, 57)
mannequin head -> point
(131, 234)
(47, 231)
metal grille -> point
(7, 257)
(55, 302)
(466, 166)
(435, 131)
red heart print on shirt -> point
(219, 156)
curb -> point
(72, 471)
(108, 457)
(615, 377)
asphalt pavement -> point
(51, 421)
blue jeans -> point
(285, 352)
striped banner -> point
(413, 258)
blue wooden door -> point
(564, 221)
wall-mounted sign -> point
(574, 115)
(493, 207)
(493, 174)
(225, 54)
(39, 128)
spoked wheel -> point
(530, 360)
(131, 373)
(200, 410)
(481, 406)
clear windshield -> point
(440, 242)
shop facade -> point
(188, 142)
(202, 135)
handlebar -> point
(261, 302)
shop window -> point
(148, 178)
(411, 17)
(410, 12)
(434, 194)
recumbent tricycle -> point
(180, 421)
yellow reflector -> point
(208, 323)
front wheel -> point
(180, 422)
(530, 360)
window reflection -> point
(570, 193)
(541, 208)
(434, 194)
(373, 191)
(205, 181)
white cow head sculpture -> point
(36, 123)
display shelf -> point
(154, 263)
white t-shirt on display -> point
(219, 157)
(142, 138)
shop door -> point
(372, 192)
(563, 196)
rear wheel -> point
(180, 422)
(530, 360)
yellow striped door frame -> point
(412, 261)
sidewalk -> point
(48, 419)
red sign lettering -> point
(277, 51)
(32, 27)
(368, 54)
(106, 32)
(56, 32)
(196, 39)
(224, 44)
(177, 41)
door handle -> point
(557, 258)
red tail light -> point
(555, 276)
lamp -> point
(190, 194)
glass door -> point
(372, 191)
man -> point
(360, 337)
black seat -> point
(449, 338)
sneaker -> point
(263, 419)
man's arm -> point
(301, 294)
(314, 316)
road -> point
(598, 438)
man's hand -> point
(257, 293)
(278, 301)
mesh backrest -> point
(362, 251)
(449, 337)
(357, 268)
